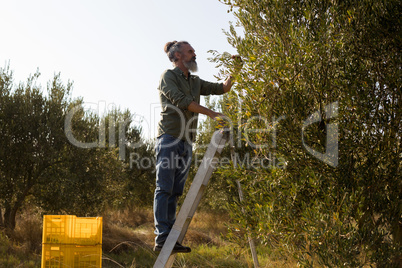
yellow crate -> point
(58, 229)
(87, 231)
(69, 229)
(61, 256)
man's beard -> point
(191, 65)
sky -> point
(111, 50)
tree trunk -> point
(1, 218)
(9, 218)
(397, 232)
(12, 209)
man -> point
(179, 93)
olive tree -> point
(320, 89)
(58, 155)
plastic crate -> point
(69, 229)
(87, 231)
(58, 256)
(58, 229)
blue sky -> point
(111, 50)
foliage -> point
(217, 192)
(341, 59)
(12, 255)
(57, 155)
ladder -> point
(193, 198)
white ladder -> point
(193, 198)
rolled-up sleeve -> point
(209, 88)
(170, 89)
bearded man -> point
(179, 93)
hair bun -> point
(169, 45)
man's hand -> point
(238, 63)
(196, 108)
(215, 115)
(221, 120)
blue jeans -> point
(173, 160)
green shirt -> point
(176, 92)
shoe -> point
(178, 248)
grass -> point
(128, 240)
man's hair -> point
(172, 47)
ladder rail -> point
(193, 198)
(241, 198)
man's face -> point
(188, 57)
